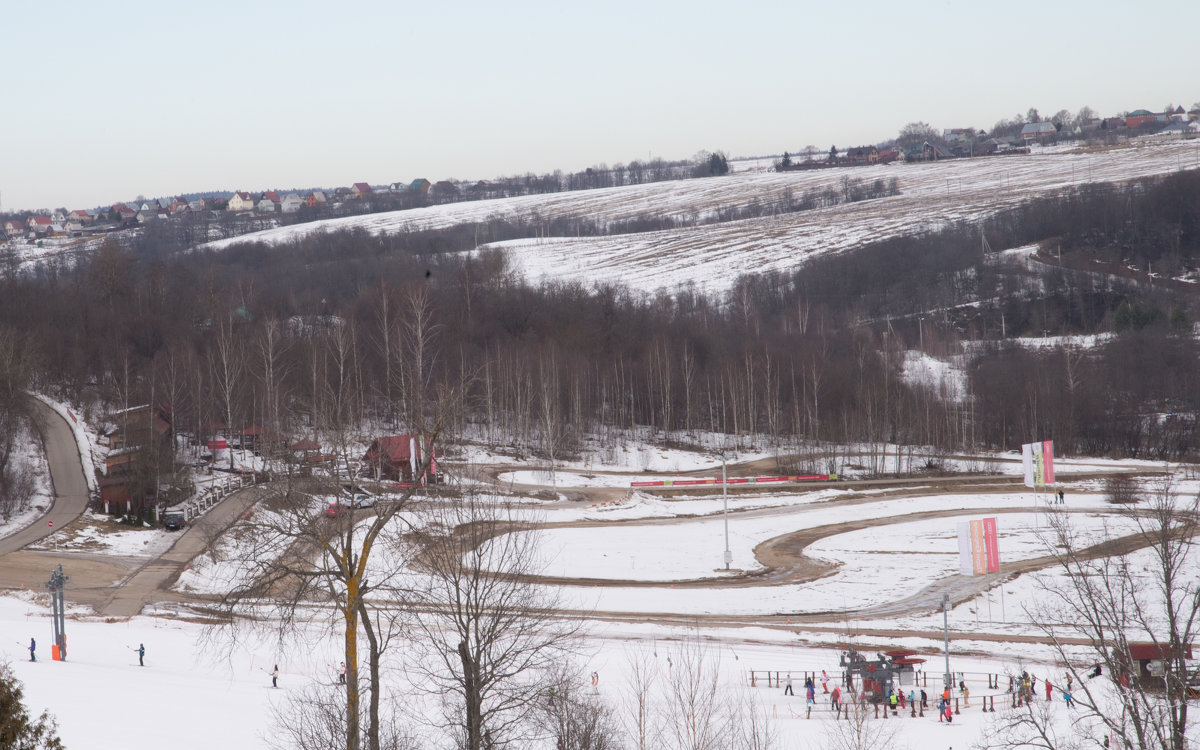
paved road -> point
(152, 581)
(66, 476)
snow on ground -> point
(100, 534)
(712, 256)
(943, 378)
(103, 700)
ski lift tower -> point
(58, 613)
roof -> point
(362, 187)
(1139, 113)
(1038, 128)
(306, 445)
(271, 195)
(40, 220)
(418, 183)
(1154, 651)
(395, 447)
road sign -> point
(51, 523)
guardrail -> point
(212, 494)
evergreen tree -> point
(17, 730)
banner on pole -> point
(965, 566)
(991, 545)
(978, 547)
(1037, 459)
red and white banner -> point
(991, 545)
(1037, 460)
(736, 480)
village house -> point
(265, 205)
(315, 198)
(360, 190)
(39, 224)
(421, 185)
(291, 203)
(15, 228)
(1138, 117)
(1036, 131)
(862, 155)
(80, 215)
(240, 201)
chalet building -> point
(421, 185)
(399, 456)
(81, 216)
(360, 190)
(315, 198)
(15, 227)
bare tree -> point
(638, 706)
(314, 718)
(577, 719)
(487, 641)
(1151, 595)
(694, 717)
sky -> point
(123, 99)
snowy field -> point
(712, 256)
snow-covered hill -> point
(711, 256)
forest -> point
(369, 330)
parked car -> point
(337, 508)
(174, 519)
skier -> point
(1048, 688)
(1067, 699)
(835, 700)
(912, 698)
(32, 650)
(342, 674)
(595, 679)
(1061, 501)
(924, 699)
(275, 676)
(141, 652)
(1095, 671)
(787, 689)
(811, 694)
(824, 681)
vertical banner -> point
(991, 545)
(978, 558)
(1037, 459)
(965, 565)
(1048, 462)
(1027, 464)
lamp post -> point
(949, 680)
(725, 504)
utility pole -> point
(725, 503)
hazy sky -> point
(106, 101)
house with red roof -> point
(399, 457)
(39, 224)
(360, 189)
(15, 228)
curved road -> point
(66, 477)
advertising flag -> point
(1047, 462)
(978, 558)
(1037, 459)
(965, 565)
(991, 545)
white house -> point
(291, 203)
